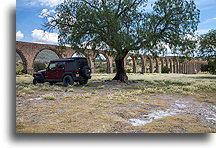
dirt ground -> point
(149, 104)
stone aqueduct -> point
(29, 51)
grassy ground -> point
(109, 106)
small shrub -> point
(210, 67)
(49, 97)
(165, 69)
(28, 90)
(39, 66)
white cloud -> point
(19, 35)
(208, 21)
(202, 31)
(44, 13)
(44, 36)
(51, 3)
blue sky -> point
(30, 18)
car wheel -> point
(86, 72)
(51, 83)
(36, 80)
(83, 82)
(68, 80)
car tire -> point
(36, 80)
(83, 82)
(86, 71)
(68, 80)
(51, 83)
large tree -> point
(123, 26)
(207, 49)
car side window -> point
(61, 65)
(52, 66)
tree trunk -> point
(120, 71)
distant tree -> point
(123, 26)
(210, 67)
(207, 50)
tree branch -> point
(91, 5)
(127, 8)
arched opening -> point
(21, 65)
(175, 66)
(171, 65)
(78, 54)
(130, 64)
(100, 64)
(149, 65)
(43, 58)
(161, 65)
(156, 64)
(139, 63)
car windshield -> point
(52, 65)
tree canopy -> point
(123, 26)
(207, 50)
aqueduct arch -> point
(24, 61)
(29, 51)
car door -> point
(60, 70)
(51, 71)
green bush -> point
(165, 69)
(21, 72)
(210, 67)
(39, 66)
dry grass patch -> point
(49, 97)
(101, 107)
(177, 124)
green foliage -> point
(165, 69)
(208, 45)
(210, 67)
(20, 70)
(39, 66)
(207, 50)
(120, 27)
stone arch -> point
(171, 65)
(180, 67)
(133, 62)
(42, 50)
(162, 61)
(139, 61)
(23, 58)
(167, 62)
(156, 69)
(175, 65)
(149, 61)
(51, 49)
(109, 61)
(143, 60)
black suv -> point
(68, 71)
